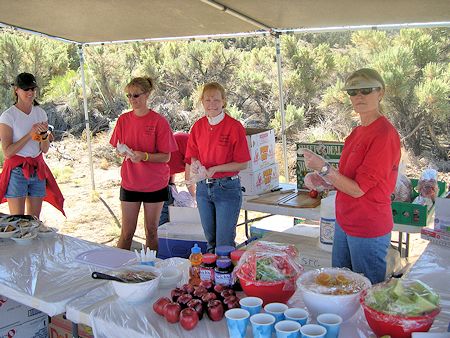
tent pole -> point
(86, 114)
(280, 92)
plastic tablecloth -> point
(43, 274)
(113, 317)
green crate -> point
(328, 150)
(414, 214)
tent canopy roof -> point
(86, 21)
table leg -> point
(407, 245)
(400, 242)
(75, 330)
(246, 224)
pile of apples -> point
(189, 303)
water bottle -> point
(327, 221)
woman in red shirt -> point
(366, 178)
(218, 142)
(145, 174)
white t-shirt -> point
(21, 124)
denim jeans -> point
(219, 204)
(362, 255)
(164, 218)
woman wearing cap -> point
(145, 173)
(218, 143)
(26, 179)
(365, 181)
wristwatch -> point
(325, 170)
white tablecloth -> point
(44, 274)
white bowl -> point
(137, 292)
(8, 234)
(51, 233)
(170, 276)
(24, 241)
(318, 303)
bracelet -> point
(146, 157)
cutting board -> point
(273, 197)
(300, 199)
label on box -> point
(36, 328)
(15, 313)
(261, 145)
(260, 181)
(328, 150)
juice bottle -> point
(195, 259)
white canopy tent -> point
(87, 22)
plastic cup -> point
(297, 314)
(331, 322)
(262, 325)
(287, 329)
(237, 320)
(313, 331)
(252, 304)
(276, 310)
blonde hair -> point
(144, 83)
(215, 86)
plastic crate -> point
(414, 214)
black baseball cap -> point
(25, 81)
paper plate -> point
(46, 234)
(24, 241)
(8, 234)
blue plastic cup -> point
(252, 304)
(237, 320)
(276, 310)
(313, 331)
(262, 325)
(297, 314)
(331, 322)
(287, 329)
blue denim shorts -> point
(19, 186)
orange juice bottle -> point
(196, 260)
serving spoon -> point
(100, 275)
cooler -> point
(177, 239)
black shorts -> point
(146, 197)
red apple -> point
(158, 306)
(188, 288)
(313, 194)
(207, 297)
(226, 293)
(197, 305)
(188, 319)
(207, 284)
(175, 293)
(184, 299)
(218, 288)
(215, 310)
(172, 312)
(199, 292)
(231, 302)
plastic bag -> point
(314, 181)
(266, 263)
(182, 198)
(427, 187)
(198, 172)
(403, 189)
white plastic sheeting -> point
(44, 274)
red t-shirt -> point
(220, 144)
(150, 133)
(177, 163)
(370, 157)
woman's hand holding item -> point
(39, 131)
(312, 160)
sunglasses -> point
(28, 89)
(364, 91)
(134, 95)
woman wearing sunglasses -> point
(148, 141)
(365, 180)
(26, 179)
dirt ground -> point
(94, 215)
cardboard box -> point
(436, 236)
(184, 215)
(35, 328)
(55, 331)
(177, 239)
(301, 171)
(261, 144)
(442, 214)
(15, 313)
(260, 181)
(59, 325)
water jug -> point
(327, 221)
